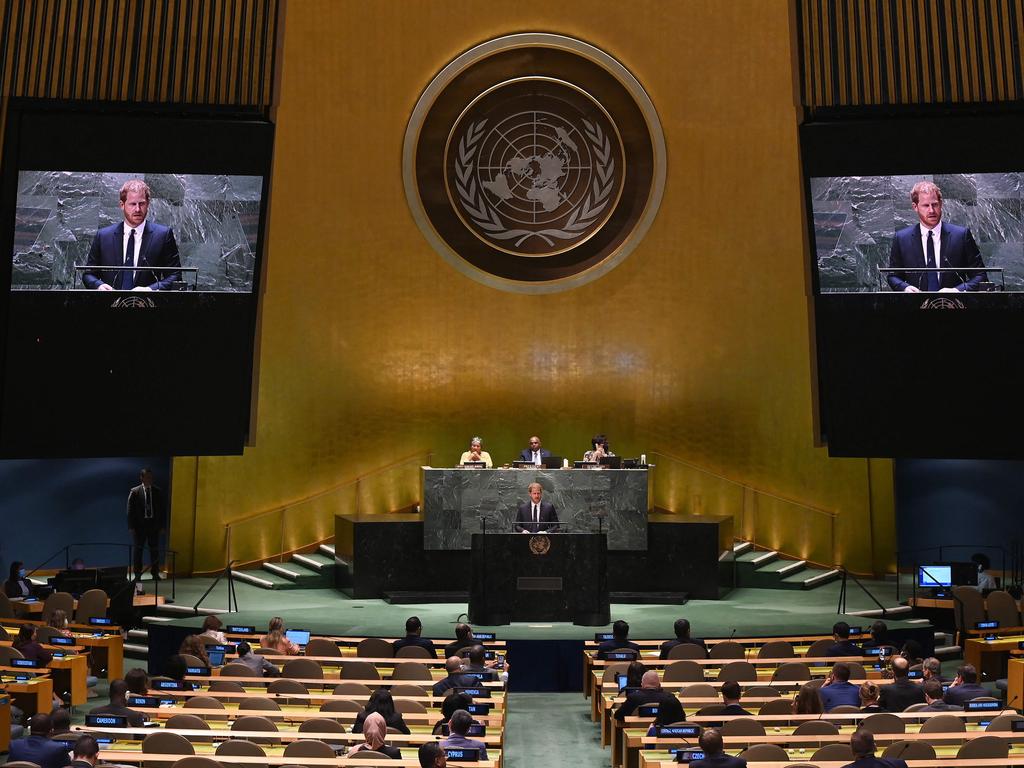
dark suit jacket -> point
(616, 645)
(734, 710)
(668, 645)
(900, 695)
(137, 509)
(527, 455)
(415, 640)
(454, 681)
(39, 750)
(839, 693)
(844, 648)
(135, 719)
(158, 249)
(548, 517)
(956, 249)
(669, 708)
(873, 762)
(961, 694)
(720, 761)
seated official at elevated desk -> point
(536, 515)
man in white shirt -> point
(534, 453)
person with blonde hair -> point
(275, 639)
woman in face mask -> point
(18, 584)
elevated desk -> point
(539, 577)
(455, 499)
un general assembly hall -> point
(517, 385)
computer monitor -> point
(552, 462)
(475, 464)
(216, 658)
(298, 636)
(611, 462)
(934, 576)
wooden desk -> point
(31, 696)
(151, 758)
(989, 657)
(5, 722)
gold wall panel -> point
(697, 345)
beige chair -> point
(698, 691)
(910, 750)
(7, 653)
(321, 725)
(375, 648)
(740, 671)
(1001, 607)
(857, 671)
(761, 691)
(742, 726)
(1004, 722)
(195, 661)
(776, 707)
(844, 709)
(166, 743)
(833, 753)
(816, 728)
(203, 702)
(305, 669)
(410, 707)
(65, 601)
(916, 707)
(411, 670)
(44, 634)
(710, 710)
(92, 604)
(820, 647)
(764, 753)
(613, 669)
(20, 764)
(727, 650)
(968, 609)
(684, 671)
(883, 722)
(984, 747)
(255, 723)
(284, 686)
(341, 705)
(792, 671)
(309, 748)
(944, 724)
(408, 689)
(687, 651)
(357, 690)
(321, 646)
(413, 652)
(366, 754)
(238, 669)
(185, 721)
(196, 761)
(240, 748)
(3, 632)
(226, 686)
(352, 669)
(776, 649)
(260, 705)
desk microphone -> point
(733, 633)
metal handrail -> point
(232, 597)
(66, 550)
(841, 607)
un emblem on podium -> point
(540, 545)
(534, 163)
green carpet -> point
(552, 730)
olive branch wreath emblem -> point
(583, 216)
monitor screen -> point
(935, 576)
(298, 636)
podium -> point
(539, 577)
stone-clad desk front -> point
(455, 499)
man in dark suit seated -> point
(902, 692)
(862, 744)
(837, 689)
(476, 664)
(933, 243)
(413, 630)
(534, 453)
(933, 698)
(714, 752)
(458, 726)
(118, 705)
(37, 747)
(455, 678)
(842, 645)
(431, 755)
(463, 639)
(669, 708)
(619, 642)
(731, 698)
(133, 242)
(536, 515)
(965, 687)
(682, 630)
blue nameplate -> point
(620, 655)
(143, 701)
(198, 671)
(241, 630)
(475, 692)
(170, 685)
(681, 731)
(484, 636)
(29, 663)
(688, 755)
(856, 631)
(479, 709)
(600, 637)
(109, 721)
(874, 651)
(648, 710)
(986, 624)
(983, 706)
(462, 754)
(61, 640)
(101, 621)
(1017, 726)
(915, 674)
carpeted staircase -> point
(313, 570)
(769, 569)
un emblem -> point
(540, 545)
(534, 163)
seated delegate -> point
(476, 452)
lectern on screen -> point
(152, 355)
(933, 371)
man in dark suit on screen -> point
(147, 520)
(536, 515)
(133, 242)
(933, 243)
